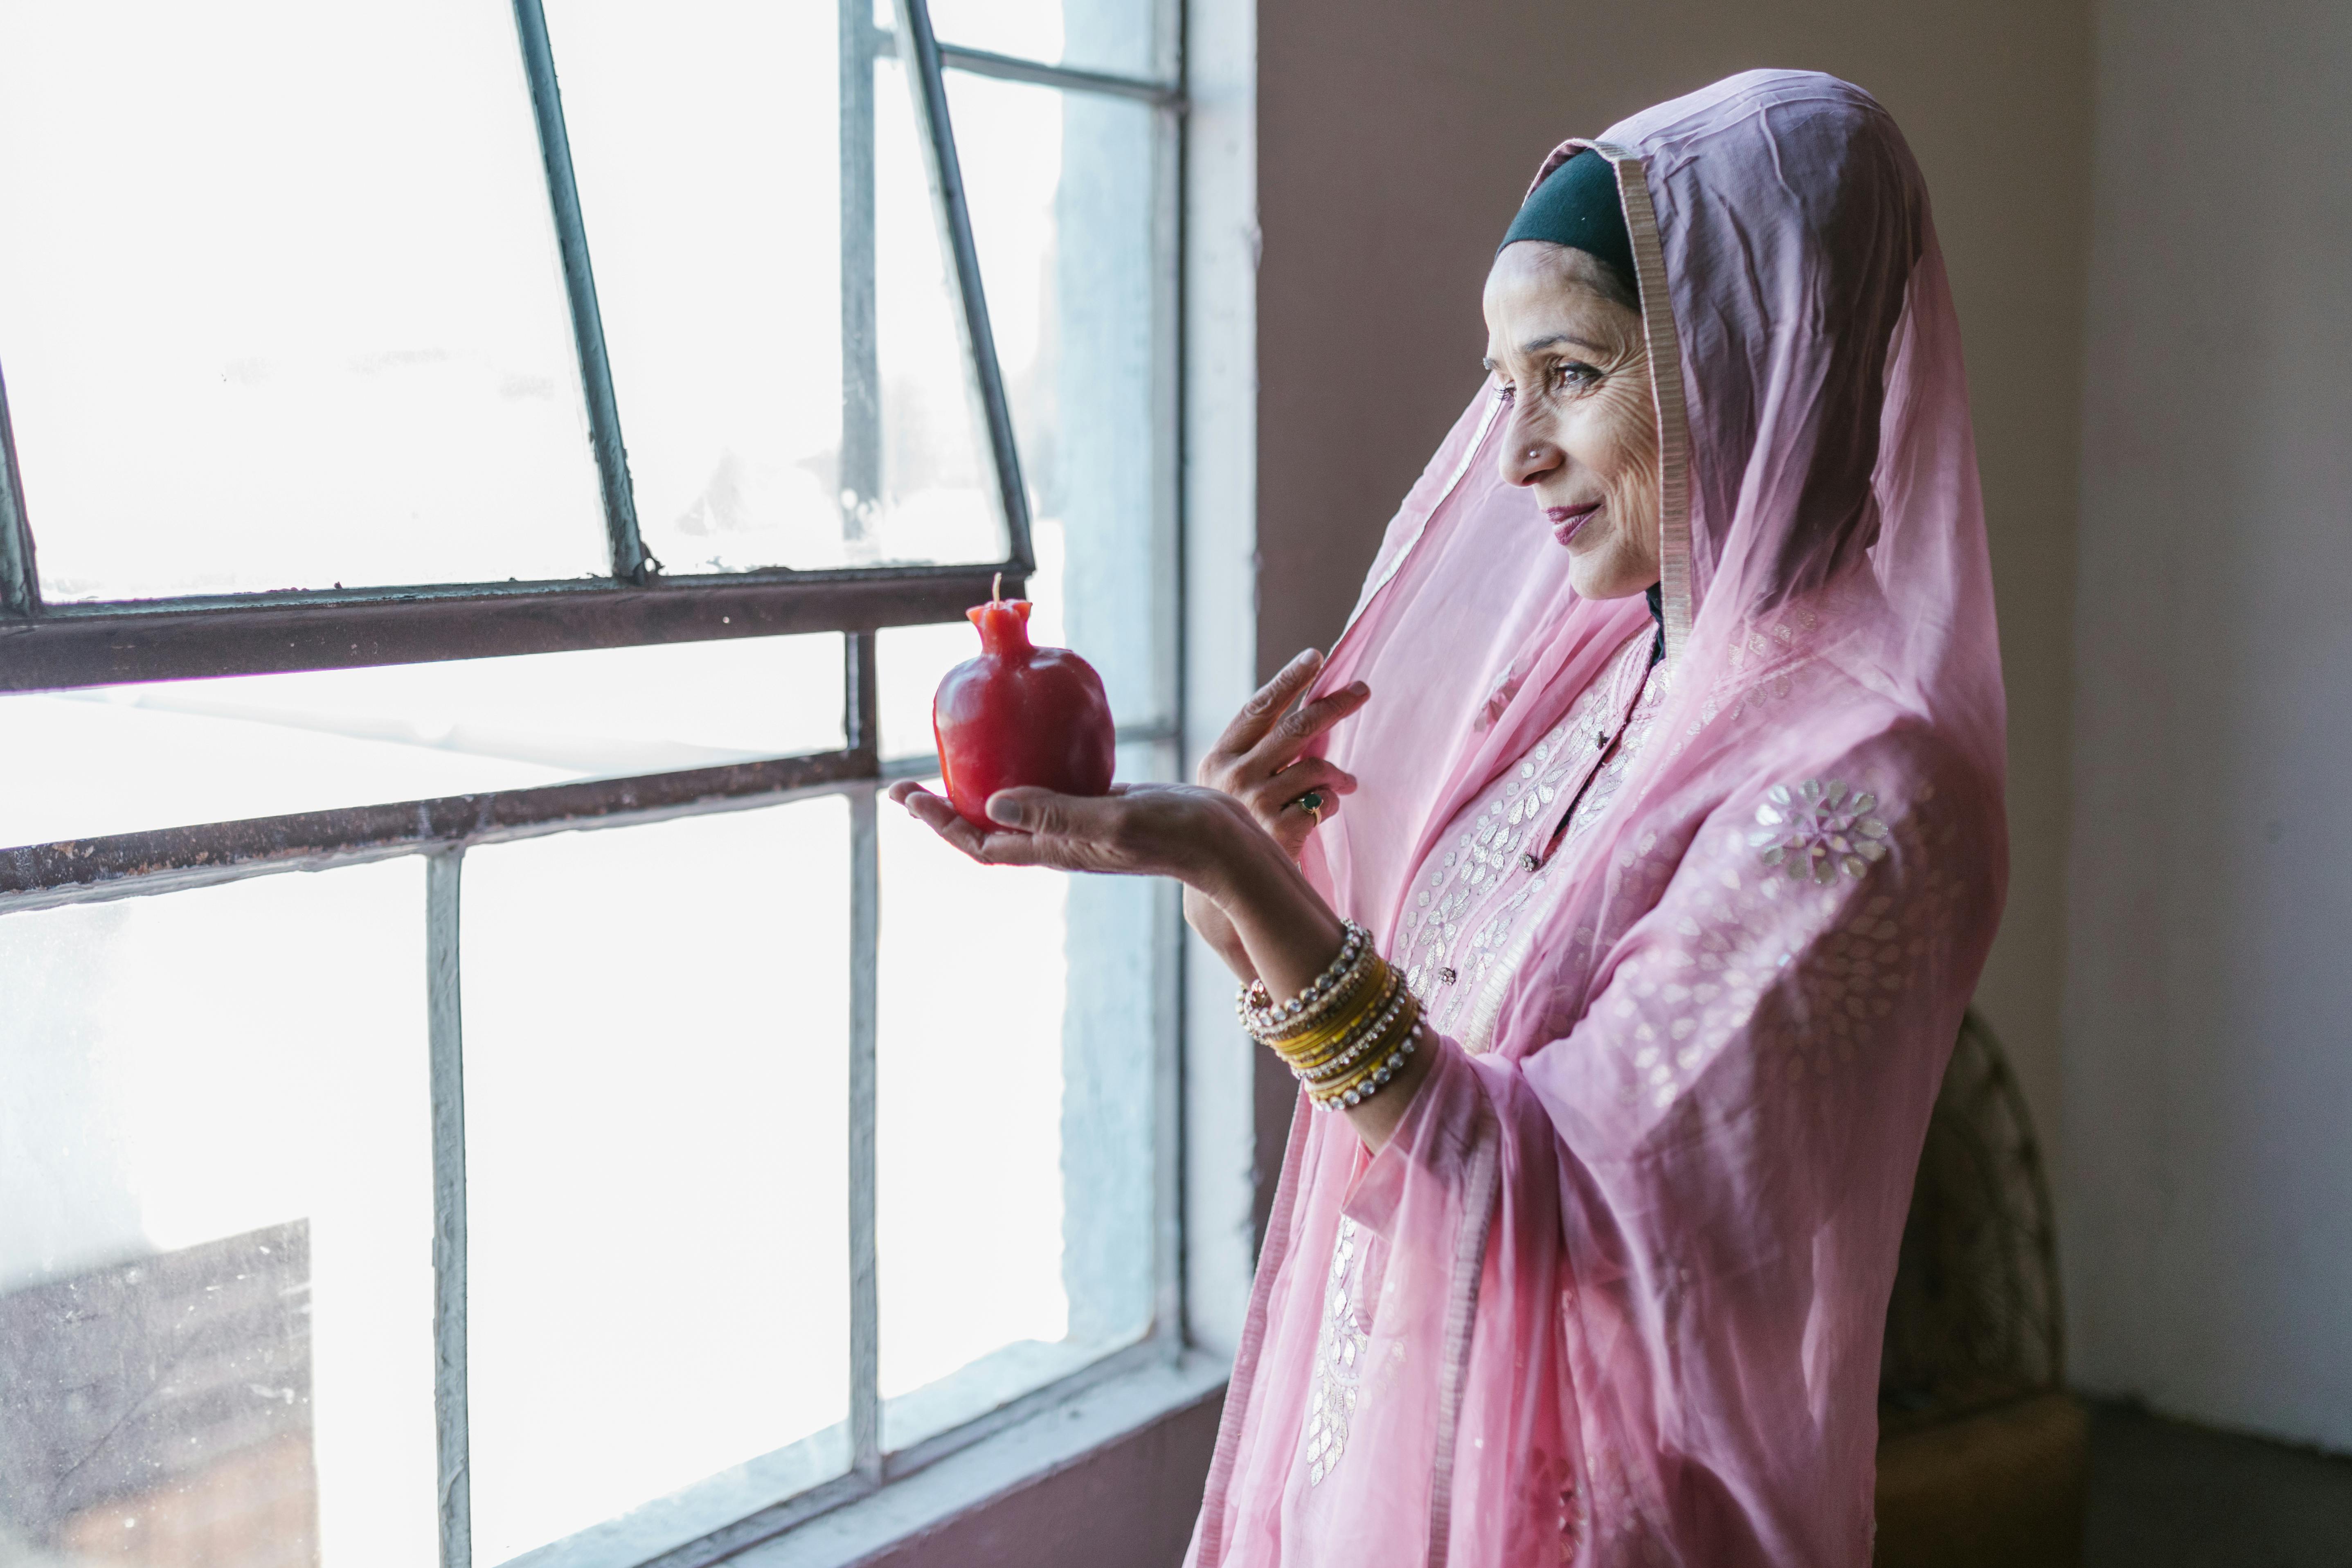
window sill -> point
(1057, 1437)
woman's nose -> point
(1526, 456)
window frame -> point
(55, 647)
(65, 646)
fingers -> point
(1146, 829)
(1260, 742)
(934, 813)
(1272, 803)
(1025, 813)
(1264, 706)
(1269, 799)
(1033, 811)
(1282, 740)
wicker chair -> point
(1981, 1452)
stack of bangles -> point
(1348, 1033)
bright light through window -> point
(281, 305)
(635, 1127)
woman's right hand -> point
(1257, 762)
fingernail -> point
(1004, 811)
(1360, 688)
(1301, 657)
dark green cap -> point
(1576, 205)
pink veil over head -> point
(1630, 1252)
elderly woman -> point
(1621, 988)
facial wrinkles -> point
(1585, 436)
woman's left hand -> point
(1180, 831)
(1205, 839)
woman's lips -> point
(1566, 520)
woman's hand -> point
(1278, 927)
(1281, 928)
(1143, 829)
(1255, 761)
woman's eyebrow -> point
(1537, 345)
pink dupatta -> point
(1626, 1267)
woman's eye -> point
(1574, 374)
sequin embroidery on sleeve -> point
(1817, 829)
(1832, 952)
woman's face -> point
(1579, 430)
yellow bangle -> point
(1368, 1044)
(1379, 1066)
(1317, 1046)
(1282, 1032)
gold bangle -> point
(1277, 1032)
(1318, 1044)
(1317, 1041)
(1368, 1042)
(1379, 1071)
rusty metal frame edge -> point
(130, 865)
(68, 646)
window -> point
(525, 468)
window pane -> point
(216, 1247)
(128, 758)
(705, 138)
(706, 141)
(281, 306)
(656, 1103)
(938, 496)
(1116, 35)
(1062, 189)
(1015, 1124)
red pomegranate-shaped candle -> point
(1019, 714)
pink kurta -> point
(1614, 1292)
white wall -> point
(2207, 1220)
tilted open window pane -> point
(763, 279)
(130, 759)
(1064, 214)
(215, 1228)
(938, 498)
(656, 1076)
(1064, 208)
(705, 140)
(279, 302)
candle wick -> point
(996, 590)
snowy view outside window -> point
(282, 307)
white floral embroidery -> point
(1817, 829)
(1467, 902)
(1340, 1352)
